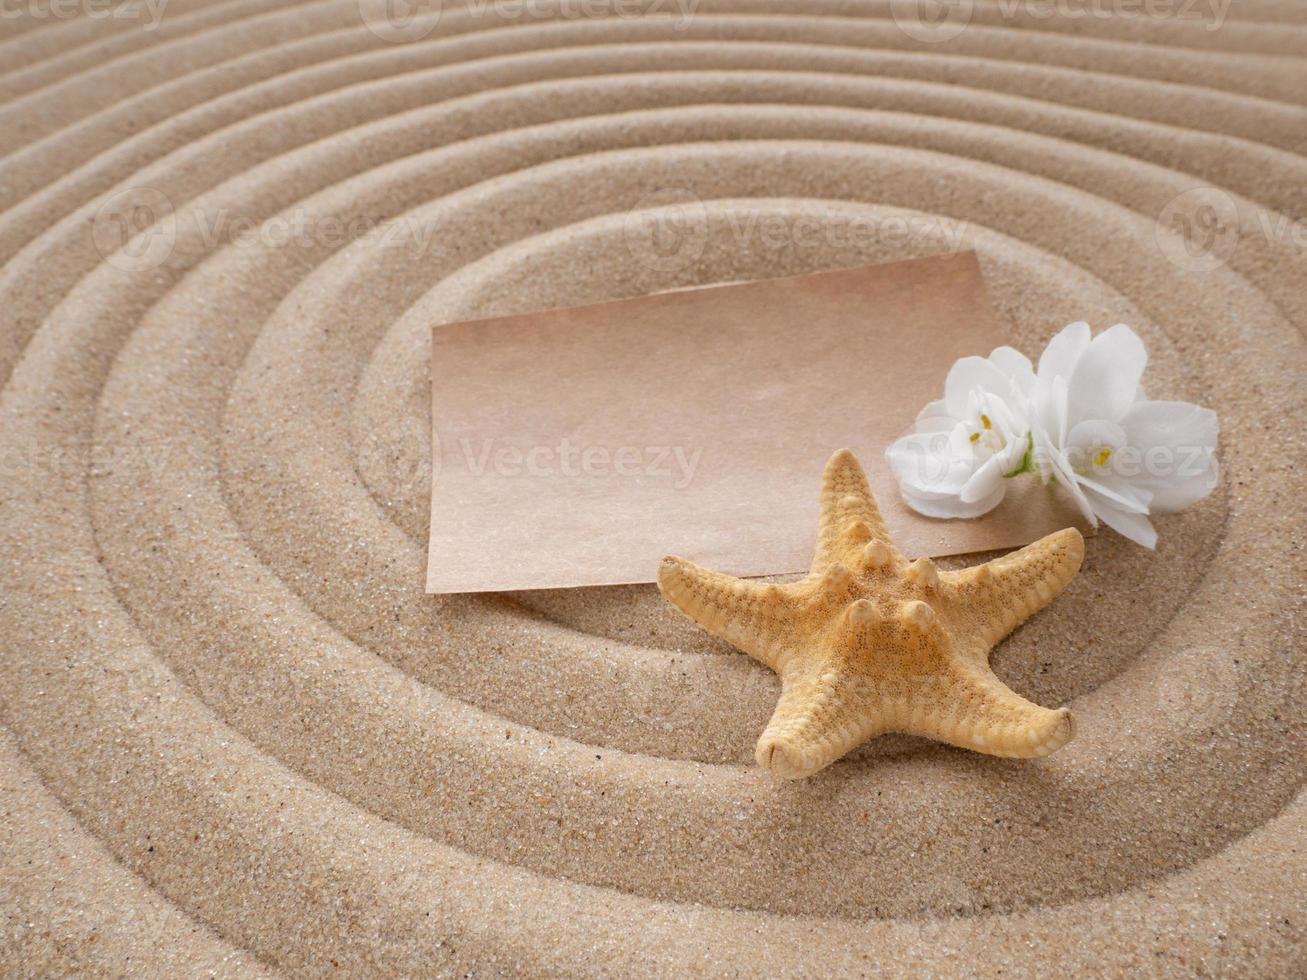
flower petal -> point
(984, 481)
(934, 418)
(952, 506)
(1157, 423)
(1054, 462)
(1121, 494)
(1106, 376)
(1016, 366)
(1048, 423)
(964, 377)
(1063, 351)
(1178, 492)
(1137, 527)
(1095, 432)
(1012, 454)
(925, 463)
(1176, 447)
(1009, 415)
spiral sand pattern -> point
(240, 740)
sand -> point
(241, 740)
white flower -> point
(1081, 421)
(1120, 456)
(954, 462)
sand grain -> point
(240, 739)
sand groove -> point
(221, 675)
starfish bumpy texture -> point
(868, 642)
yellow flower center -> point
(984, 420)
(975, 437)
(1102, 456)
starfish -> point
(868, 642)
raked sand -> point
(239, 739)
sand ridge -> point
(242, 738)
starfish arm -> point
(989, 601)
(818, 719)
(756, 617)
(975, 710)
(867, 643)
(850, 519)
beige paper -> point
(577, 447)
